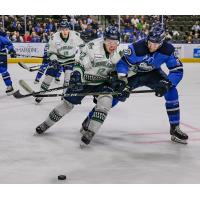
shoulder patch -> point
(128, 51)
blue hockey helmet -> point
(64, 24)
(156, 34)
(112, 33)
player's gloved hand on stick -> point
(163, 88)
(13, 53)
(117, 84)
(75, 83)
(53, 62)
(124, 94)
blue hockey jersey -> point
(5, 43)
(139, 59)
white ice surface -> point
(133, 145)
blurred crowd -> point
(132, 27)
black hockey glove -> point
(13, 53)
(124, 94)
(75, 83)
(116, 83)
(54, 63)
(163, 87)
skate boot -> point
(85, 125)
(42, 128)
(177, 135)
(57, 80)
(36, 81)
(87, 137)
(9, 90)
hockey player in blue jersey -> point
(145, 58)
(43, 67)
(6, 44)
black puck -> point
(61, 177)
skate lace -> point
(179, 131)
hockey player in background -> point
(43, 67)
(62, 50)
(96, 62)
(145, 58)
(6, 44)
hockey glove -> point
(75, 83)
(12, 53)
(124, 94)
(117, 84)
(53, 63)
(162, 88)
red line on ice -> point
(191, 127)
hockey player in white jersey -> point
(92, 74)
(62, 49)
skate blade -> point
(177, 140)
(10, 93)
(83, 146)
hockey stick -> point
(92, 93)
(1, 53)
(31, 92)
(33, 68)
(30, 69)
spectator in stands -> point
(44, 38)
(49, 26)
(189, 39)
(8, 34)
(168, 37)
(83, 24)
(100, 32)
(29, 26)
(27, 37)
(16, 37)
(135, 21)
(37, 28)
(55, 27)
(196, 27)
(94, 24)
(196, 39)
(89, 19)
(35, 37)
(41, 31)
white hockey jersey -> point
(63, 51)
(94, 65)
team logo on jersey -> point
(144, 67)
(128, 51)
